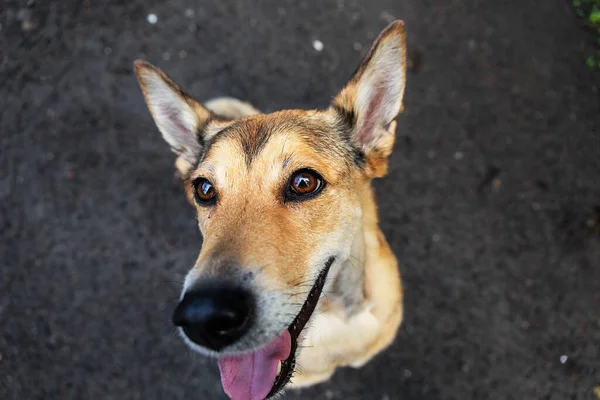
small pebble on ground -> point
(318, 45)
(563, 359)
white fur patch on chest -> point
(333, 339)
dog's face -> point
(278, 199)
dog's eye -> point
(303, 184)
(205, 191)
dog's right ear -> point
(179, 117)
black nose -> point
(215, 317)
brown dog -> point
(294, 278)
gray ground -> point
(492, 204)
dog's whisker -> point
(303, 293)
(173, 281)
(303, 282)
(293, 304)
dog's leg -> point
(384, 289)
(383, 341)
(230, 107)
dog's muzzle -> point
(217, 316)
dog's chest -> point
(334, 339)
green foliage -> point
(590, 11)
(594, 18)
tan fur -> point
(230, 107)
(335, 340)
(249, 161)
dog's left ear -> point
(372, 99)
(179, 117)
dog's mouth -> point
(264, 372)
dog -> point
(294, 277)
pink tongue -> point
(251, 376)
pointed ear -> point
(179, 117)
(372, 99)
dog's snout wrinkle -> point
(215, 317)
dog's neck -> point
(347, 292)
(348, 287)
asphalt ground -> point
(492, 204)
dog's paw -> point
(304, 379)
(360, 363)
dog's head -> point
(278, 198)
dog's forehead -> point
(274, 141)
